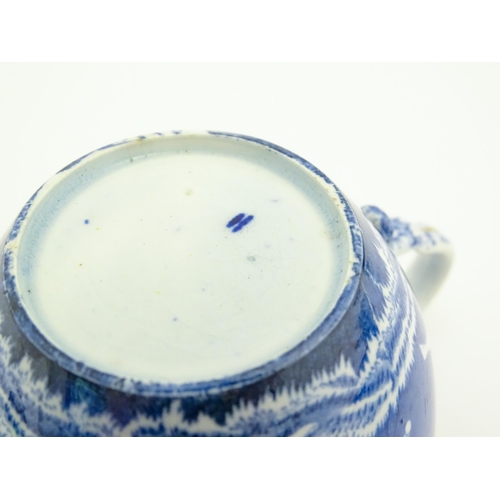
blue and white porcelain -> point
(212, 284)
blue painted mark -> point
(235, 220)
(239, 222)
(243, 223)
(86, 221)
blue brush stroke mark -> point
(243, 223)
(235, 220)
(86, 221)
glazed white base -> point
(129, 265)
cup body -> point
(365, 372)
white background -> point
(419, 140)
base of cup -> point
(183, 258)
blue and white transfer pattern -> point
(402, 236)
(370, 375)
(356, 390)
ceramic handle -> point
(434, 254)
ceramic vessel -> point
(212, 284)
